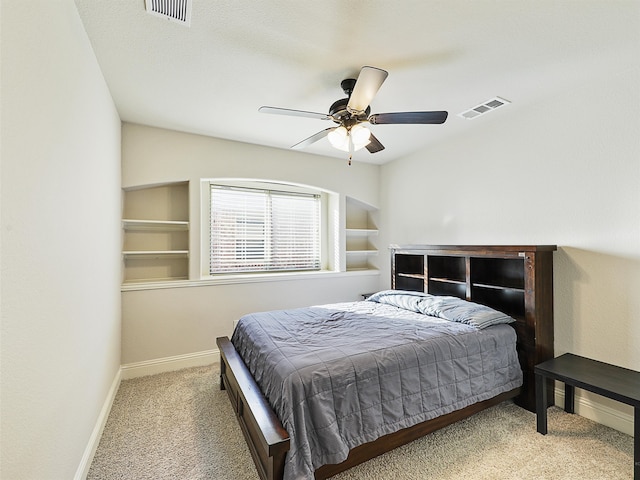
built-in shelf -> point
(362, 252)
(156, 233)
(361, 231)
(146, 284)
(360, 234)
(156, 253)
(167, 225)
(361, 269)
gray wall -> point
(169, 322)
(564, 171)
(60, 240)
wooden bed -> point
(517, 280)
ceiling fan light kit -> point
(352, 112)
(358, 135)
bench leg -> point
(569, 395)
(223, 371)
(636, 443)
(541, 404)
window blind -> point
(254, 230)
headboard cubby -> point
(515, 279)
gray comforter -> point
(342, 375)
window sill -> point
(242, 278)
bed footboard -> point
(390, 441)
(267, 439)
(269, 442)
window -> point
(262, 230)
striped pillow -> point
(455, 309)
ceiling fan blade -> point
(369, 82)
(408, 117)
(313, 138)
(294, 113)
(374, 145)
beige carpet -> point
(179, 425)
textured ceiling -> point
(211, 78)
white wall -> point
(60, 240)
(179, 321)
(564, 171)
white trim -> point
(583, 406)
(597, 412)
(246, 278)
(169, 364)
(329, 229)
(94, 439)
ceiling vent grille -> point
(486, 107)
(178, 11)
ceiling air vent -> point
(483, 108)
(174, 10)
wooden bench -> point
(613, 382)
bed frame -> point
(517, 280)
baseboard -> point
(598, 412)
(585, 407)
(133, 370)
(169, 364)
(94, 440)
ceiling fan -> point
(352, 112)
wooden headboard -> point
(514, 279)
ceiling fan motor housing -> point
(338, 111)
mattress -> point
(344, 374)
